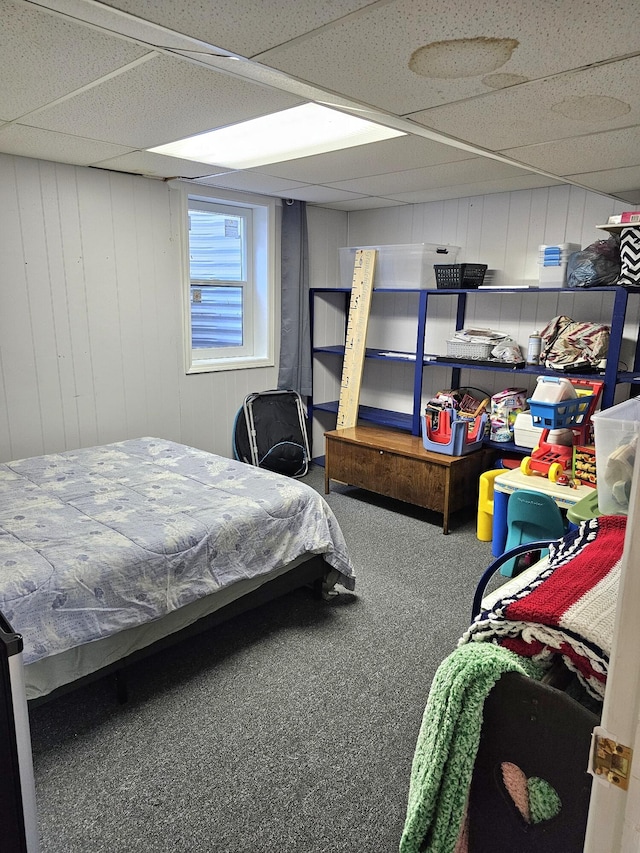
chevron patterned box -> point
(630, 255)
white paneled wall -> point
(504, 231)
(91, 344)
(328, 229)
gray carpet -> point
(290, 729)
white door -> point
(614, 814)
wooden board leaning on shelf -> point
(356, 337)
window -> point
(229, 321)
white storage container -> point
(553, 389)
(616, 435)
(552, 260)
(408, 265)
(524, 433)
(527, 435)
(547, 249)
(553, 276)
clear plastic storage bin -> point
(401, 266)
(616, 435)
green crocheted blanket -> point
(448, 743)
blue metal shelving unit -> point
(612, 376)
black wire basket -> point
(459, 276)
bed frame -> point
(189, 539)
(311, 573)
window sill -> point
(218, 364)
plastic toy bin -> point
(616, 433)
(563, 415)
(453, 436)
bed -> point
(108, 552)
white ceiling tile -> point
(321, 194)
(160, 101)
(155, 165)
(575, 103)
(465, 171)
(457, 190)
(367, 57)
(249, 182)
(630, 196)
(99, 16)
(46, 145)
(364, 203)
(406, 152)
(242, 28)
(613, 181)
(584, 153)
(61, 56)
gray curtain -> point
(295, 339)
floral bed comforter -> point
(98, 540)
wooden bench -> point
(396, 464)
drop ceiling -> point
(492, 96)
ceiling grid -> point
(492, 97)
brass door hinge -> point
(611, 760)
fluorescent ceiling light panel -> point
(285, 135)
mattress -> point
(48, 674)
(98, 541)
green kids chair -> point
(530, 516)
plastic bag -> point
(505, 406)
(596, 266)
(508, 351)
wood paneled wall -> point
(503, 231)
(91, 344)
(91, 314)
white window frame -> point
(244, 284)
(258, 349)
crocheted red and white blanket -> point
(568, 608)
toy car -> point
(550, 460)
